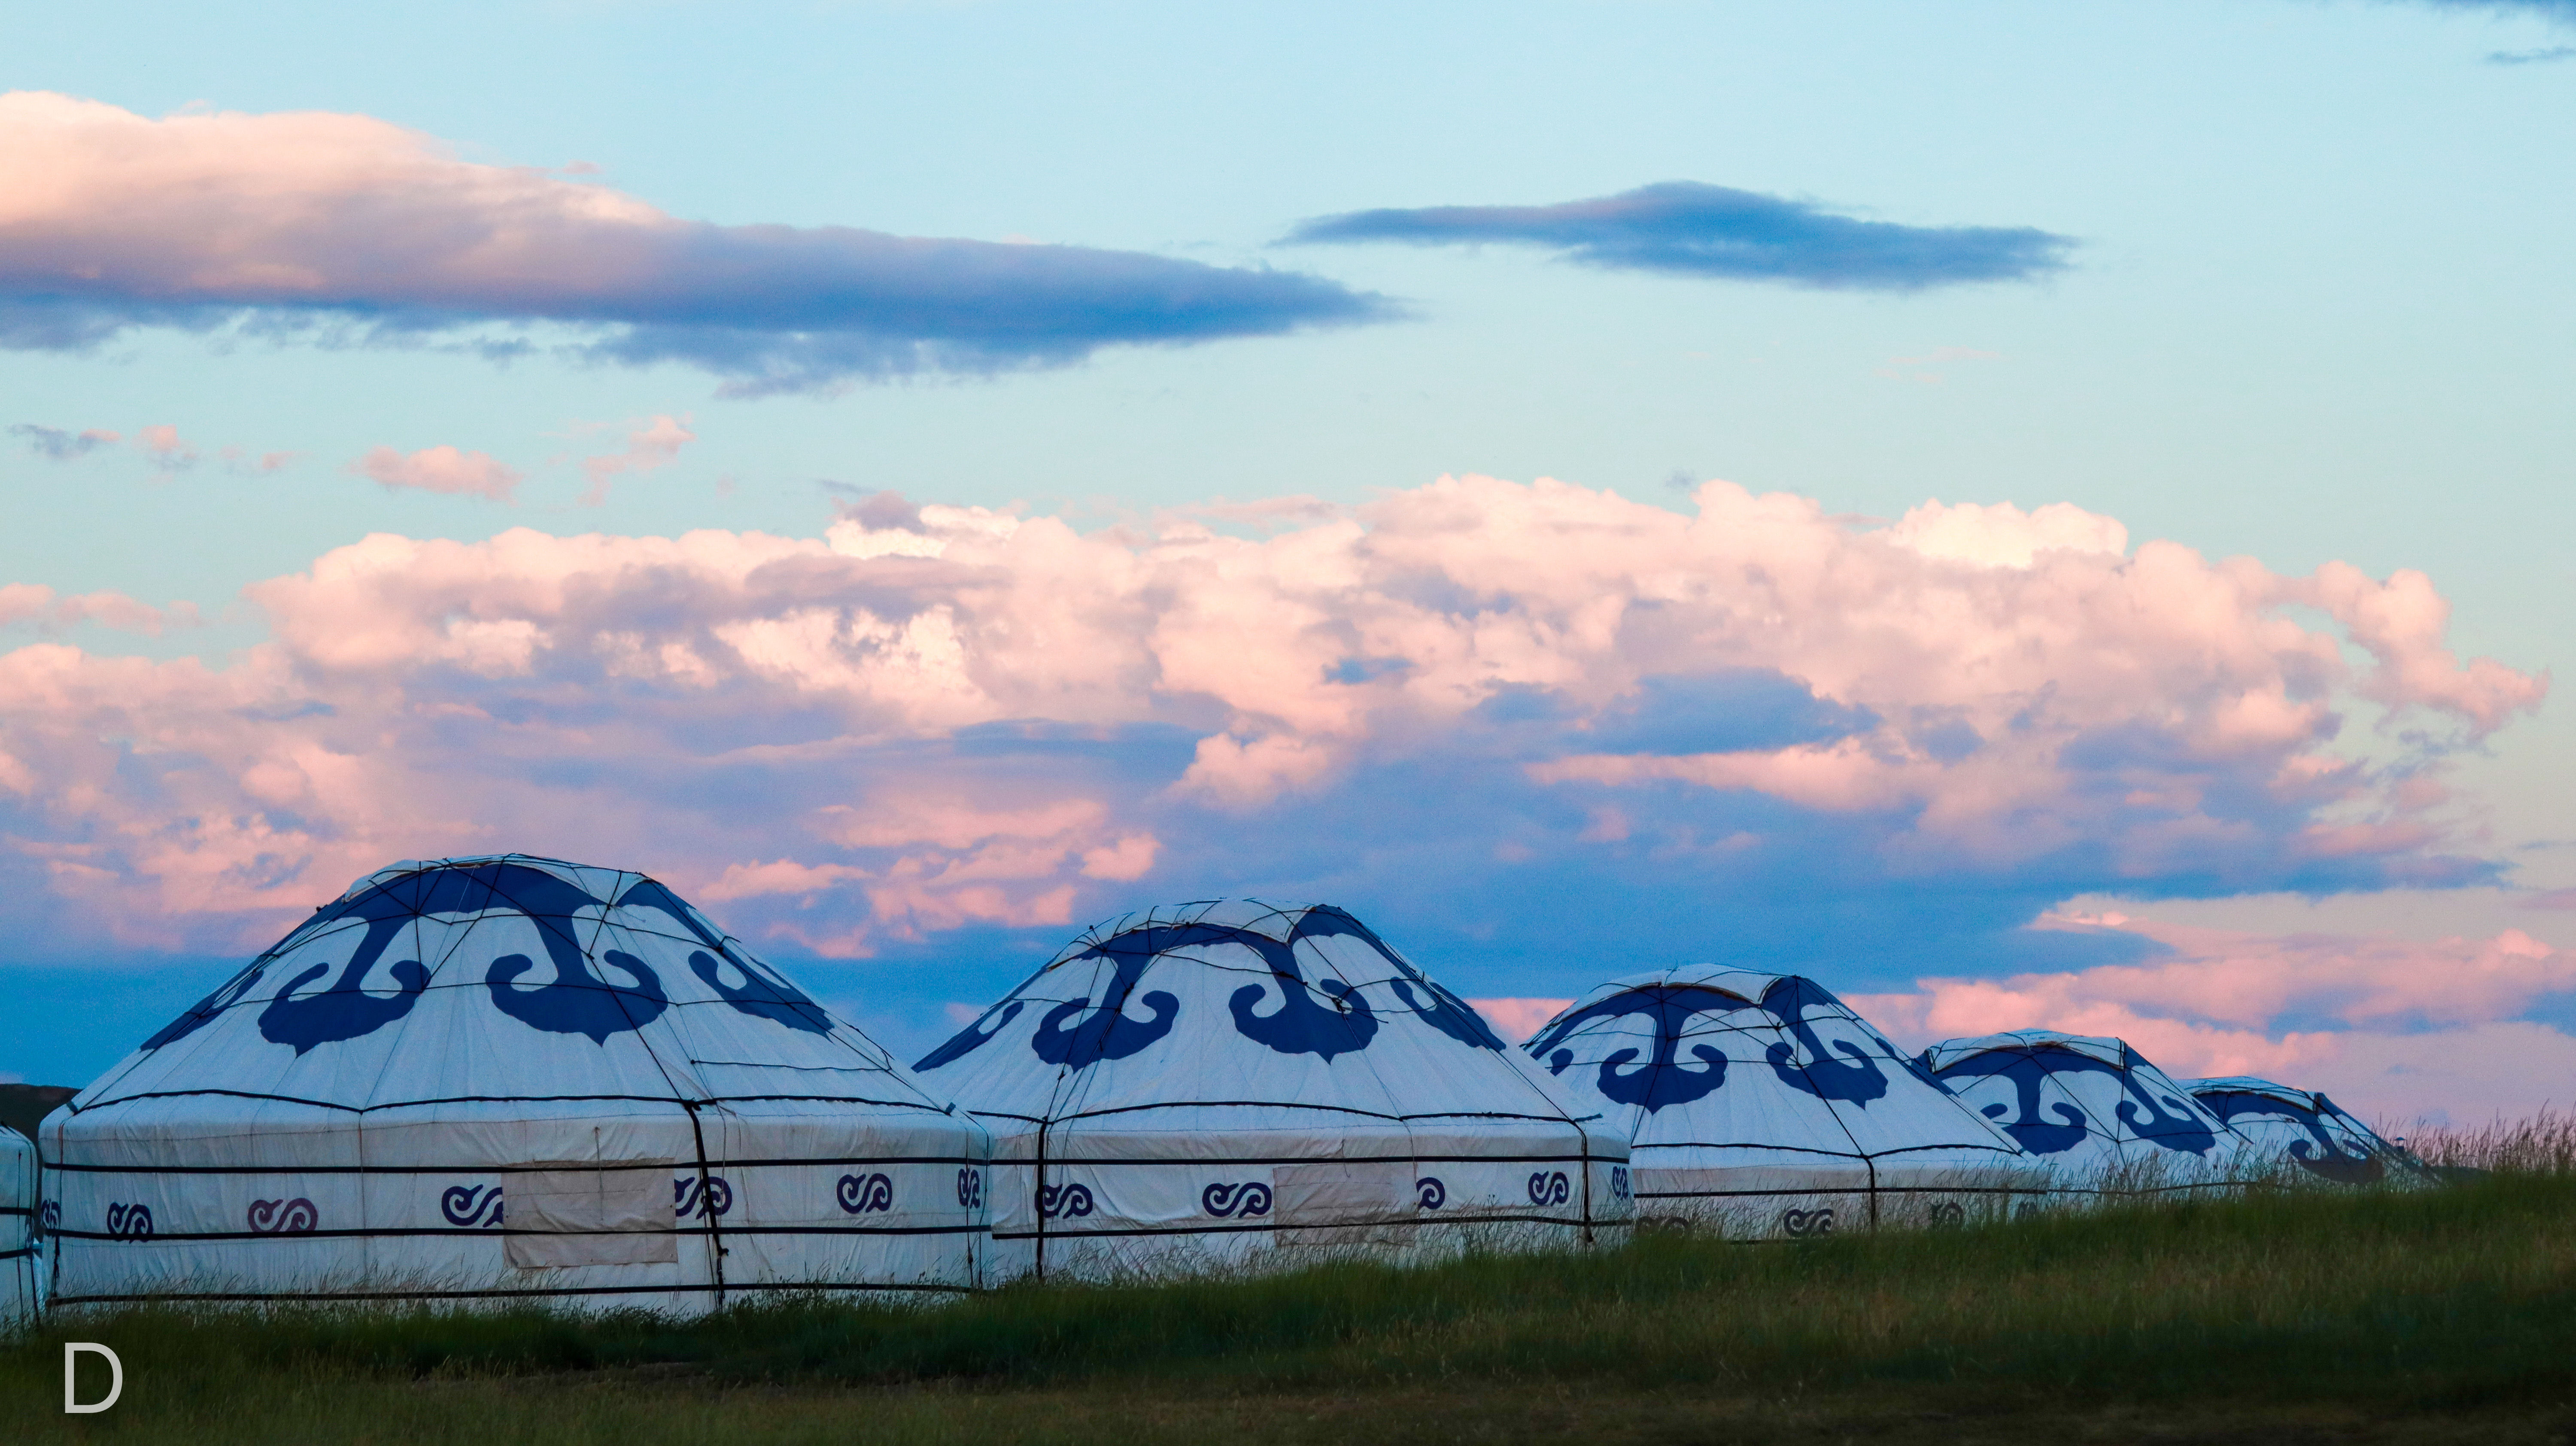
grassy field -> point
(2425, 1316)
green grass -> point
(2429, 1315)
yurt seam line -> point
(1061, 1234)
(500, 1100)
(485, 1169)
(1195, 1161)
(557, 1291)
(487, 1232)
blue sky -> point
(2300, 295)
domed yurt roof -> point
(1194, 1044)
(18, 1225)
(2307, 1129)
(2085, 1105)
(449, 1033)
(1759, 1091)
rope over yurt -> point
(1207, 1084)
(2305, 1129)
(1759, 1105)
(2093, 1111)
(509, 1077)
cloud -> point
(438, 469)
(61, 445)
(1518, 1019)
(2543, 56)
(1690, 229)
(348, 228)
(1541, 733)
(237, 460)
(2395, 1027)
(654, 444)
(33, 603)
(165, 449)
(2563, 11)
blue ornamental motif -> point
(972, 1038)
(2176, 1129)
(1429, 1193)
(1446, 1012)
(865, 1194)
(1620, 1189)
(1109, 1033)
(283, 1217)
(471, 1207)
(692, 1200)
(1245, 1200)
(2320, 1154)
(577, 1002)
(50, 1218)
(1664, 1081)
(1064, 1202)
(1823, 1075)
(1550, 1187)
(970, 1189)
(1803, 1223)
(128, 1222)
(764, 993)
(203, 1012)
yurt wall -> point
(20, 1222)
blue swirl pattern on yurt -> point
(1826, 1077)
(1664, 1081)
(1109, 1033)
(2168, 1123)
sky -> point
(2034, 515)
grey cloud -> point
(1691, 229)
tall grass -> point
(2386, 1302)
(2325, 1313)
(2541, 1144)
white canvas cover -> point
(509, 1077)
(1761, 1105)
(19, 1224)
(2092, 1110)
(1195, 1085)
(2306, 1129)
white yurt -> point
(1759, 1105)
(20, 1225)
(2304, 1128)
(1199, 1086)
(509, 1078)
(2090, 1110)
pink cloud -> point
(939, 717)
(655, 444)
(109, 220)
(1518, 1019)
(438, 469)
(31, 602)
(162, 444)
(2379, 1013)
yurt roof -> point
(475, 982)
(1709, 1056)
(2113, 1052)
(1230, 1003)
(2246, 1084)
